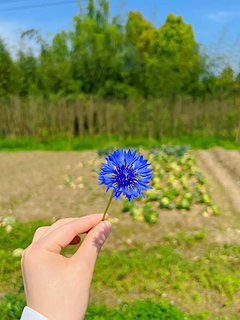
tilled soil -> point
(32, 187)
(222, 168)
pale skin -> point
(55, 286)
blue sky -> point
(216, 23)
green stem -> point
(108, 205)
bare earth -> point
(32, 187)
(222, 168)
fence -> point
(152, 118)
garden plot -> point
(177, 183)
(180, 244)
(52, 185)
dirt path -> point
(222, 168)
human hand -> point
(56, 286)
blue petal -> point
(137, 166)
(130, 157)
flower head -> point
(127, 173)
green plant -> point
(139, 310)
(11, 305)
(137, 213)
(127, 206)
(148, 271)
(166, 203)
(150, 215)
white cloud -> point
(224, 16)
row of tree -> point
(110, 59)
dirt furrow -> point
(222, 177)
(230, 160)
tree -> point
(175, 58)
(8, 83)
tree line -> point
(106, 58)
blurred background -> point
(119, 69)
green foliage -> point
(139, 310)
(149, 271)
(20, 236)
(68, 180)
(8, 83)
(11, 306)
(152, 194)
(184, 204)
(166, 203)
(137, 213)
(92, 143)
(215, 209)
(150, 215)
(175, 53)
(127, 206)
(177, 151)
(103, 57)
(177, 183)
(10, 220)
(8, 263)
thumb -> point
(92, 244)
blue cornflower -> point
(127, 173)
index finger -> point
(62, 236)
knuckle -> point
(39, 230)
(30, 252)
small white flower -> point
(8, 228)
(17, 252)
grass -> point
(167, 273)
(12, 305)
(96, 142)
(159, 269)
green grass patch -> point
(12, 306)
(160, 269)
(21, 235)
(139, 310)
(62, 143)
(163, 269)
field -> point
(188, 259)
